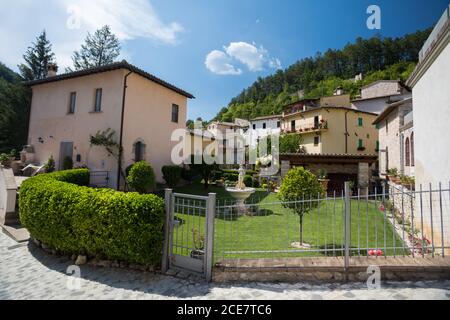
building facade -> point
(264, 126)
(141, 110)
(430, 83)
(333, 130)
(396, 138)
(375, 96)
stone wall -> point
(8, 195)
(402, 199)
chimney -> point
(339, 91)
(52, 70)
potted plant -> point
(7, 158)
(322, 176)
(199, 245)
(4, 160)
(407, 182)
(392, 175)
(50, 165)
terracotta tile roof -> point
(110, 67)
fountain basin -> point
(241, 195)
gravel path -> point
(26, 272)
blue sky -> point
(213, 49)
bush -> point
(172, 175)
(128, 169)
(50, 165)
(248, 181)
(141, 177)
(188, 175)
(59, 211)
(67, 163)
(217, 174)
(234, 177)
(255, 183)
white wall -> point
(431, 96)
(377, 105)
(259, 132)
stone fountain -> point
(241, 192)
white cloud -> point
(256, 59)
(219, 63)
(68, 21)
(128, 19)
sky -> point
(213, 49)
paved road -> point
(26, 272)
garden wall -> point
(60, 211)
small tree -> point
(291, 143)
(298, 185)
(172, 175)
(141, 177)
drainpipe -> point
(119, 166)
(346, 132)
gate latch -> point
(175, 223)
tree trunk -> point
(301, 229)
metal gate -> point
(189, 232)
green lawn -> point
(274, 228)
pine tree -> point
(101, 48)
(37, 58)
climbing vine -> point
(106, 139)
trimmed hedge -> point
(60, 211)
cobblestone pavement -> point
(26, 272)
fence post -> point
(347, 225)
(209, 245)
(167, 222)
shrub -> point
(255, 183)
(67, 163)
(188, 175)
(50, 165)
(128, 169)
(217, 175)
(141, 177)
(300, 184)
(71, 218)
(234, 177)
(172, 175)
(248, 181)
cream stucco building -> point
(333, 130)
(396, 136)
(140, 108)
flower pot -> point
(197, 254)
(324, 183)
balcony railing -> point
(322, 126)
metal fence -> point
(99, 179)
(201, 231)
(394, 222)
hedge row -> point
(59, 210)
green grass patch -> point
(271, 227)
